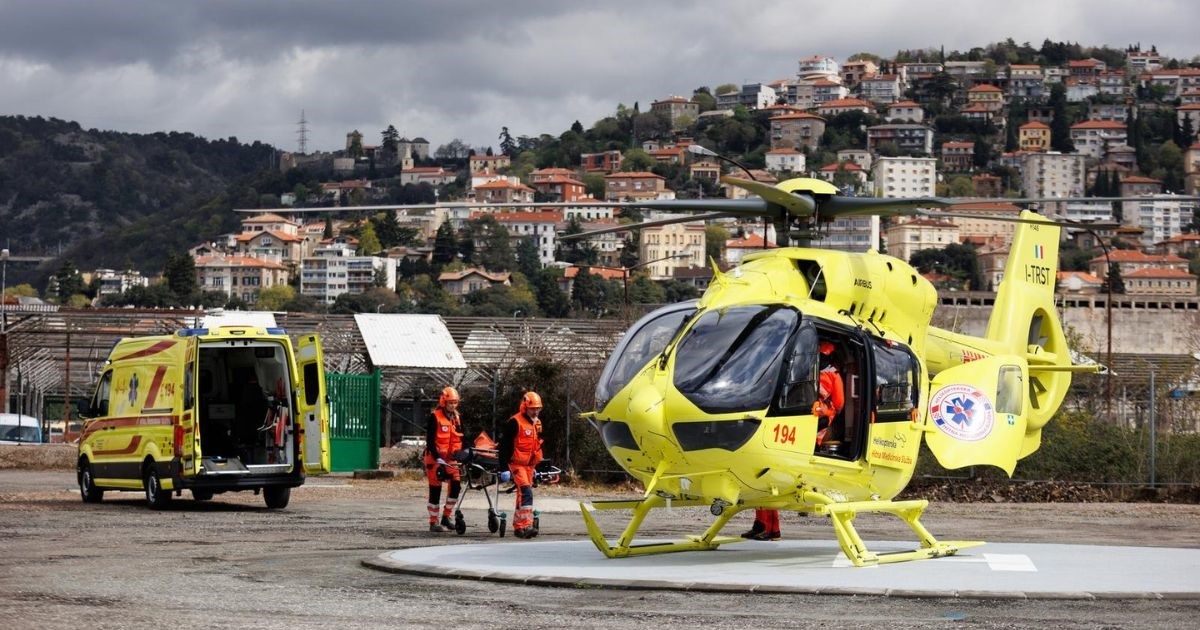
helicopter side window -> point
(729, 360)
(895, 382)
(645, 339)
(800, 383)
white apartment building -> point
(850, 234)
(905, 239)
(542, 226)
(110, 282)
(818, 67)
(333, 269)
(1092, 138)
(1053, 174)
(905, 176)
(1161, 218)
(786, 160)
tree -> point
(445, 245)
(355, 149)
(1060, 124)
(273, 298)
(637, 160)
(179, 273)
(1113, 281)
(589, 294)
(714, 241)
(497, 253)
(643, 290)
(576, 251)
(956, 260)
(502, 301)
(368, 241)
(551, 299)
(528, 260)
(391, 144)
(454, 150)
(508, 146)
(328, 231)
(961, 186)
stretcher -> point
(480, 471)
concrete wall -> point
(1140, 325)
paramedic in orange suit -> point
(520, 452)
(443, 438)
(829, 403)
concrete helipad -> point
(995, 570)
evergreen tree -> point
(508, 146)
(70, 282)
(328, 231)
(368, 242)
(588, 294)
(1060, 124)
(445, 245)
(550, 298)
(528, 260)
(180, 276)
(1113, 280)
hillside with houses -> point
(1004, 120)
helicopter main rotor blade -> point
(645, 224)
(795, 205)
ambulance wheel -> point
(460, 524)
(202, 495)
(156, 497)
(277, 496)
(503, 526)
(87, 484)
(493, 522)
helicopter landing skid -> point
(842, 516)
(624, 547)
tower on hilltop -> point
(302, 133)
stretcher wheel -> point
(493, 522)
(460, 523)
(503, 526)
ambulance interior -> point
(245, 415)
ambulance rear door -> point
(312, 405)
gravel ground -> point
(232, 563)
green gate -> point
(353, 421)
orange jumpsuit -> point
(521, 450)
(443, 438)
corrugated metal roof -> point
(264, 319)
(409, 341)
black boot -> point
(434, 527)
(755, 531)
(446, 522)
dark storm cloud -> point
(88, 32)
(447, 69)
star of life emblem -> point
(962, 412)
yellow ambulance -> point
(206, 410)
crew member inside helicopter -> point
(831, 399)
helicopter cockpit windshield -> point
(729, 359)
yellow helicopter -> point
(710, 402)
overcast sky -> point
(446, 69)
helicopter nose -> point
(644, 413)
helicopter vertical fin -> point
(1024, 322)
